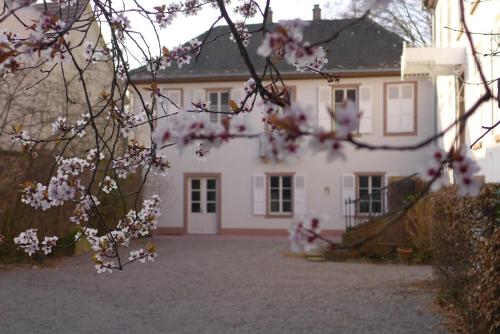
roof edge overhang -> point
(284, 75)
(431, 61)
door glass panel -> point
(211, 207)
(195, 207)
(195, 184)
(275, 181)
(195, 196)
(224, 98)
(211, 196)
(211, 184)
(275, 206)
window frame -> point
(219, 91)
(345, 88)
(370, 189)
(415, 109)
(281, 214)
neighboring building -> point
(449, 64)
(35, 103)
(235, 191)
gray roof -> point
(363, 47)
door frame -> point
(217, 177)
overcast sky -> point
(184, 28)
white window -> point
(400, 109)
(341, 95)
(280, 195)
(369, 194)
(218, 101)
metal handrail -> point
(354, 218)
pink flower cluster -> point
(288, 41)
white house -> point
(449, 64)
(235, 191)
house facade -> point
(35, 100)
(237, 191)
(450, 65)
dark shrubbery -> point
(15, 217)
(466, 255)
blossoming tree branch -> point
(81, 179)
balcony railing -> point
(392, 198)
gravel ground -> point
(216, 285)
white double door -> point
(202, 205)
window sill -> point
(277, 215)
(400, 134)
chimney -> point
(316, 13)
(269, 18)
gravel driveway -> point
(215, 285)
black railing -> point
(384, 201)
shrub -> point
(466, 254)
(16, 217)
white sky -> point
(184, 28)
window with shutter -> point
(343, 94)
(400, 109)
(280, 194)
(218, 101)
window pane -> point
(211, 195)
(211, 207)
(351, 95)
(339, 96)
(376, 181)
(363, 181)
(214, 118)
(275, 194)
(224, 98)
(363, 192)
(275, 206)
(275, 181)
(195, 184)
(211, 184)
(287, 194)
(364, 207)
(376, 207)
(195, 207)
(376, 195)
(195, 195)
(287, 181)
(287, 206)
(213, 98)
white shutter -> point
(259, 194)
(324, 104)
(366, 109)
(393, 106)
(300, 195)
(198, 95)
(348, 192)
(407, 106)
(175, 96)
